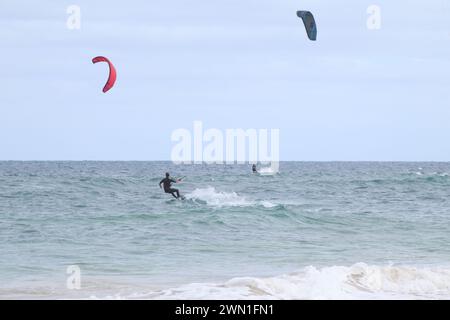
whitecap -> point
(359, 281)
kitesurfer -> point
(166, 183)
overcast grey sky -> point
(354, 94)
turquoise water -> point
(314, 230)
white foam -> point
(218, 199)
(267, 171)
(360, 281)
(215, 198)
(268, 204)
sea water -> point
(315, 230)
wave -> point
(267, 171)
(409, 178)
(359, 281)
(211, 197)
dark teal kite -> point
(310, 24)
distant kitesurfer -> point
(254, 168)
(167, 185)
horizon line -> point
(235, 163)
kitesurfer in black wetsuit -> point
(167, 184)
(254, 168)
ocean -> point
(315, 230)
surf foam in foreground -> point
(359, 281)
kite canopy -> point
(112, 72)
(310, 24)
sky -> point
(355, 94)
